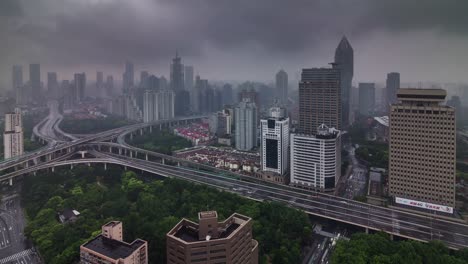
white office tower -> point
(13, 136)
(150, 107)
(316, 160)
(246, 125)
(132, 111)
(275, 141)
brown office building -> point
(212, 242)
(422, 150)
(109, 248)
(319, 99)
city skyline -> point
(47, 30)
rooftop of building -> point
(112, 223)
(111, 248)
(188, 231)
(420, 94)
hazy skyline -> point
(236, 40)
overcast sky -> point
(236, 39)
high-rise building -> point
(80, 86)
(99, 79)
(393, 84)
(319, 99)
(201, 86)
(153, 83)
(227, 94)
(109, 85)
(109, 248)
(274, 142)
(13, 141)
(282, 87)
(316, 159)
(344, 60)
(223, 123)
(210, 241)
(366, 98)
(177, 74)
(158, 105)
(35, 82)
(128, 76)
(163, 84)
(18, 85)
(422, 150)
(17, 77)
(189, 78)
(52, 84)
(246, 125)
(144, 78)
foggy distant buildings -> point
(344, 60)
(393, 84)
(52, 84)
(79, 87)
(17, 77)
(182, 99)
(158, 105)
(227, 94)
(245, 115)
(189, 78)
(128, 76)
(366, 98)
(319, 99)
(35, 81)
(109, 85)
(282, 87)
(13, 141)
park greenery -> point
(149, 208)
(92, 125)
(379, 249)
(161, 141)
(373, 152)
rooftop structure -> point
(229, 241)
(109, 248)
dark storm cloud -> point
(83, 32)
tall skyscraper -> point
(177, 74)
(210, 241)
(319, 99)
(109, 248)
(18, 86)
(17, 77)
(344, 60)
(13, 141)
(144, 80)
(80, 86)
(128, 76)
(227, 94)
(275, 141)
(109, 85)
(366, 98)
(52, 84)
(393, 84)
(316, 159)
(246, 125)
(35, 81)
(197, 101)
(422, 150)
(189, 78)
(282, 87)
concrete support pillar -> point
(26, 165)
(34, 173)
(163, 161)
(160, 126)
(367, 230)
(110, 149)
(82, 154)
(151, 129)
(131, 154)
(89, 164)
(178, 164)
(141, 132)
(120, 151)
(125, 167)
(105, 166)
(391, 237)
(146, 156)
(131, 136)
(10, 181)
(71, 166)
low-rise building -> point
(109, 248)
